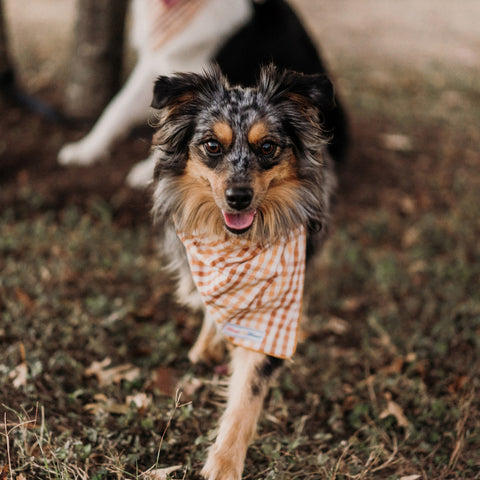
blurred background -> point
(386, 383)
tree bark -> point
(6, 69)
(96, 62)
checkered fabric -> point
(169, 17)
(254, 293)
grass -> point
(386, 384)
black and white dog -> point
(240, 35)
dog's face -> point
(248, 162)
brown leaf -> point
(4, 472)
(107, 376)
(395, 410)
(165, 381)
(395, 367)
(161, 473)
(104, 404)
(353, 304)
(24, 298)
(457, 384)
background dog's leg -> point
(129, 108)
(251, 376)
(141, 175)
(209, 346)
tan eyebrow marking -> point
(257, 133)
(224, 133)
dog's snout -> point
(239, 198)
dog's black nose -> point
(239, 198)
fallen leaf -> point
(104, 404)
(19, 375)
(107, 376)
(395, 367)
(336, 325)
(161, 473)
(458, 383)
(411, 477)
(24, 297)
(164, 380)
(352, 304)
(410, 237)
(20, 477)
(4, 472)
(396, 410)
(141, 401)
(397, 142)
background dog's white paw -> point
(141, 175)
(81, 153)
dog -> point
(239, 35)
(245, 171)
(246, 158)
(243, 180)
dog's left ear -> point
(315, 90)
(170, 90)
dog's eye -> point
(213, 148)
(268, 149)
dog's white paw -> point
(81, 153)
(141, 175)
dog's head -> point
(247, 162)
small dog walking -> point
(245, 171)
(243, 180)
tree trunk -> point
(96, 61)
(6, 69)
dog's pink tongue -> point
(239, 221)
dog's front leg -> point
(251, 376)
(130, 107)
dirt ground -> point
(386, 384)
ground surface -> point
(385, 386)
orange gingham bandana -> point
(254, 293)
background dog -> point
(239, 34)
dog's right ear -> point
(184, 88)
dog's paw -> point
(81, 153)
(141, 175)
(222, 465)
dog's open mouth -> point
(238, 222)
